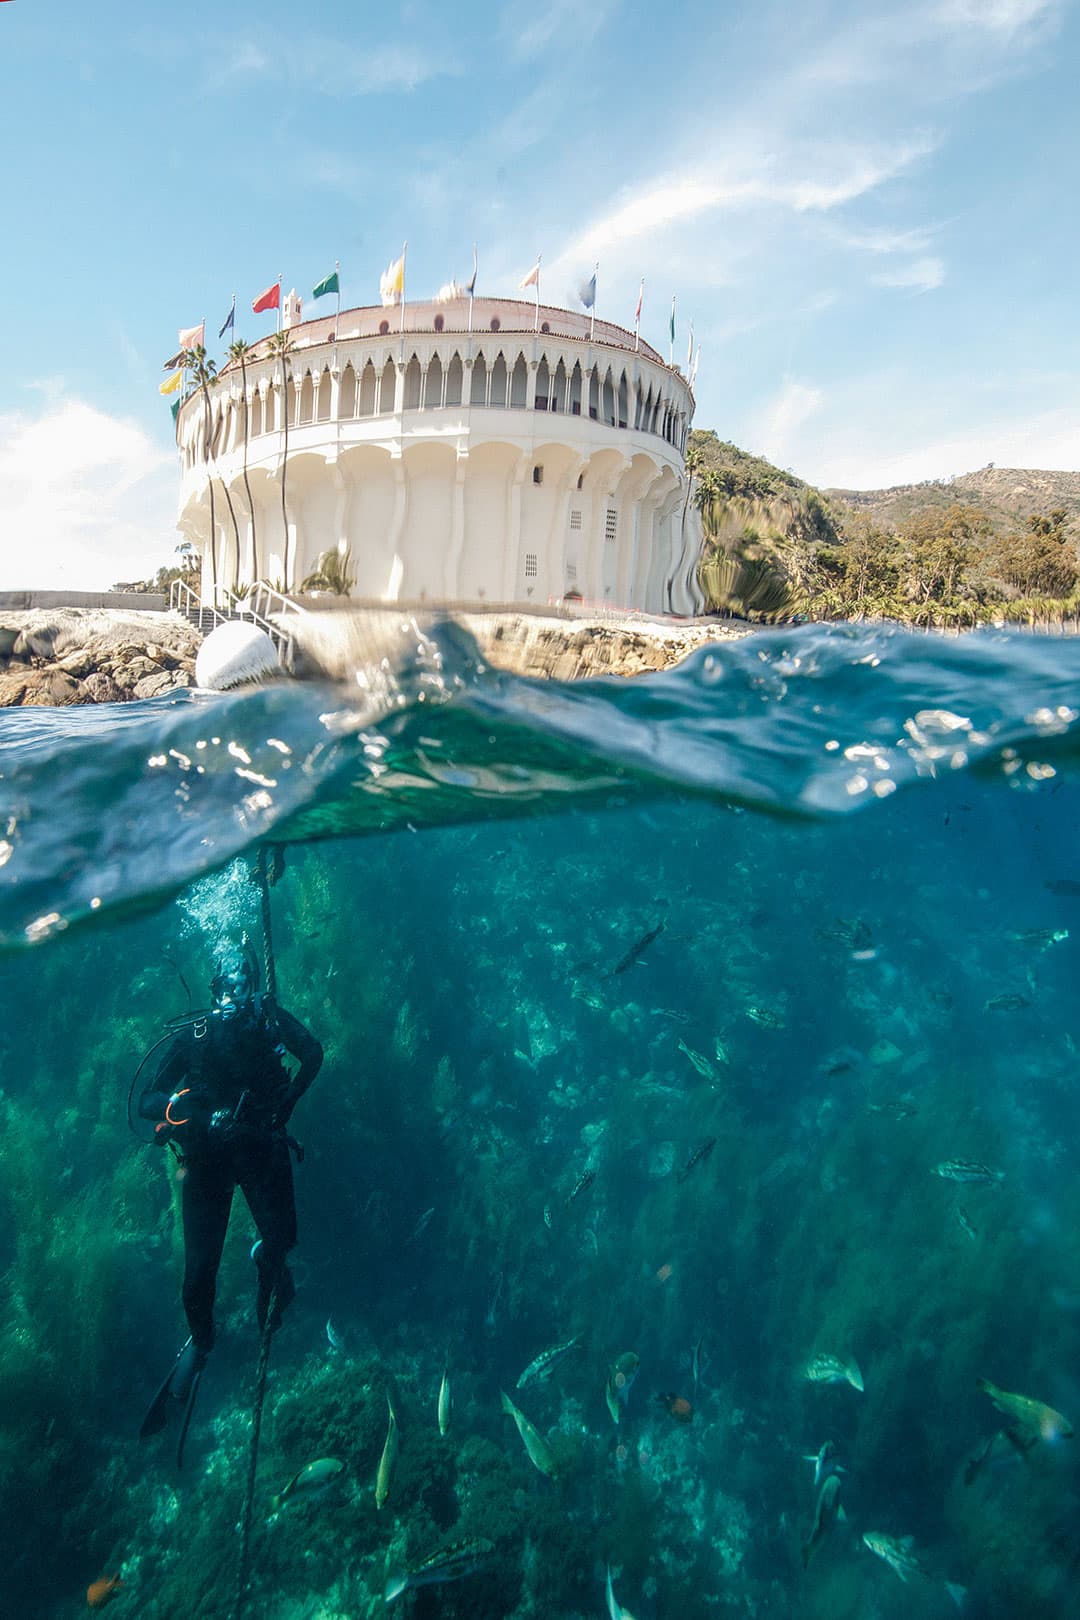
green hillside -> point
(998, 545)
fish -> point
(898, 1108)
(541, 1365)
(850, 931)
(765, 1017)
(445, 1405)
(1034, 1416)
(540, 1453)
(98, 1593)
(827, 1510)
(963, 1221)
(333, 1337)
(614, 1607)
(1008, 1001)
(992, 1452)
(450, 1563)
(637, 950)
(1042, 937)
(669, 1012)
(310, 1481)
(897, 1551)
(823, 1462)
(582, 1184)
(698, 1359)
(420, 1228)
(699, 1155)
(384, 1479)
(826, 1369)
(700, 1062)
(968, 1171)
(678, 1407)
(620, 1379)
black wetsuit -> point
(235, 1100)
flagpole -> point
(404, 246)
(280, 284)
(671, 334)
(592, 312)
(536, 320)
(337, 317)
(637, 316)
(472, 286)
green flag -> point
(329, 285)
(174, 407)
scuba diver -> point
(221, 1100)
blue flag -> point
(229, 321)
(587, 291)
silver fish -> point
(542, 1364)
(968, 1171)
(445, 1406)
(447, 1564)
(826, 1369)
(897, 1551)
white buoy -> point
(233, 654)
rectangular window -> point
(538, 475)
(575, 520)
(571, 571)
(611, 524)
(530, 565)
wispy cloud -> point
(777, 425)
(90, 496)
(330, 67)
(998, 16)
(528, 30)
(920, 276)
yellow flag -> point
(172, 382)
(392, 281)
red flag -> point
(270, 299)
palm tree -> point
(204, 372)
(280, 344)
(239, 351)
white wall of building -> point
(505, 464)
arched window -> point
(519, 384)
(543, 384)
(558, 388)
(454, 379)
(347, 396)
(388, 389)
(256, 414)
(271, 410)
(433, 384)
(638, 405)
(495, 323)
(384, 327)
(575, 389)
(412, 384)
(478, 388)
(322, 411)
(498, 383)
(545, 326)
(307, 398)
(439, 323)
(609, 401)
(623, 405)
(369, 383)
(594, 394)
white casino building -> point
(505, 464)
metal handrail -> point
(184, 600)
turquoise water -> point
(855, 853)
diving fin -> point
(178, 1388)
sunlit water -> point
(856, 854)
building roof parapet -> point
(516, 317)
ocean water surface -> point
(720, 1025)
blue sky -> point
(868, 209)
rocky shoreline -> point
(63, 656)
(53, 658)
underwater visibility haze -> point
(691, 1172)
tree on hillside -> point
(1040, 562)
(239, 351)
(280, 345)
